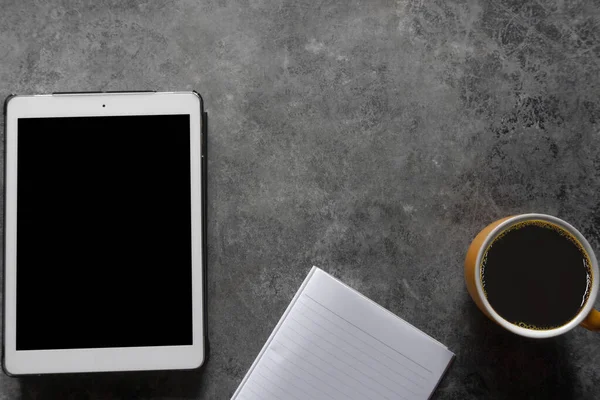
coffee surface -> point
(536, 275)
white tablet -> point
(104, 232)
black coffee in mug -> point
(536, 275)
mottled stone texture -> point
(371, 138)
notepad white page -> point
(334, 343)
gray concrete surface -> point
(371, 138)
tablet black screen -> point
(104, 232)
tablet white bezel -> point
(108, 359)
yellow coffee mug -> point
(587, 317)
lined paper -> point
(333, 343)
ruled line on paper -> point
(362, 383)
(368, 334)
(286, 392)
(377, 371)
(332, 368)
(334, 344)
(337, 336)
(282, 366)
(347, 364)
(260, 396)
(264, 389)
(266, 365)
(325, 372)
(344, 331)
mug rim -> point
(538, 334)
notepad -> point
(333, 343)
